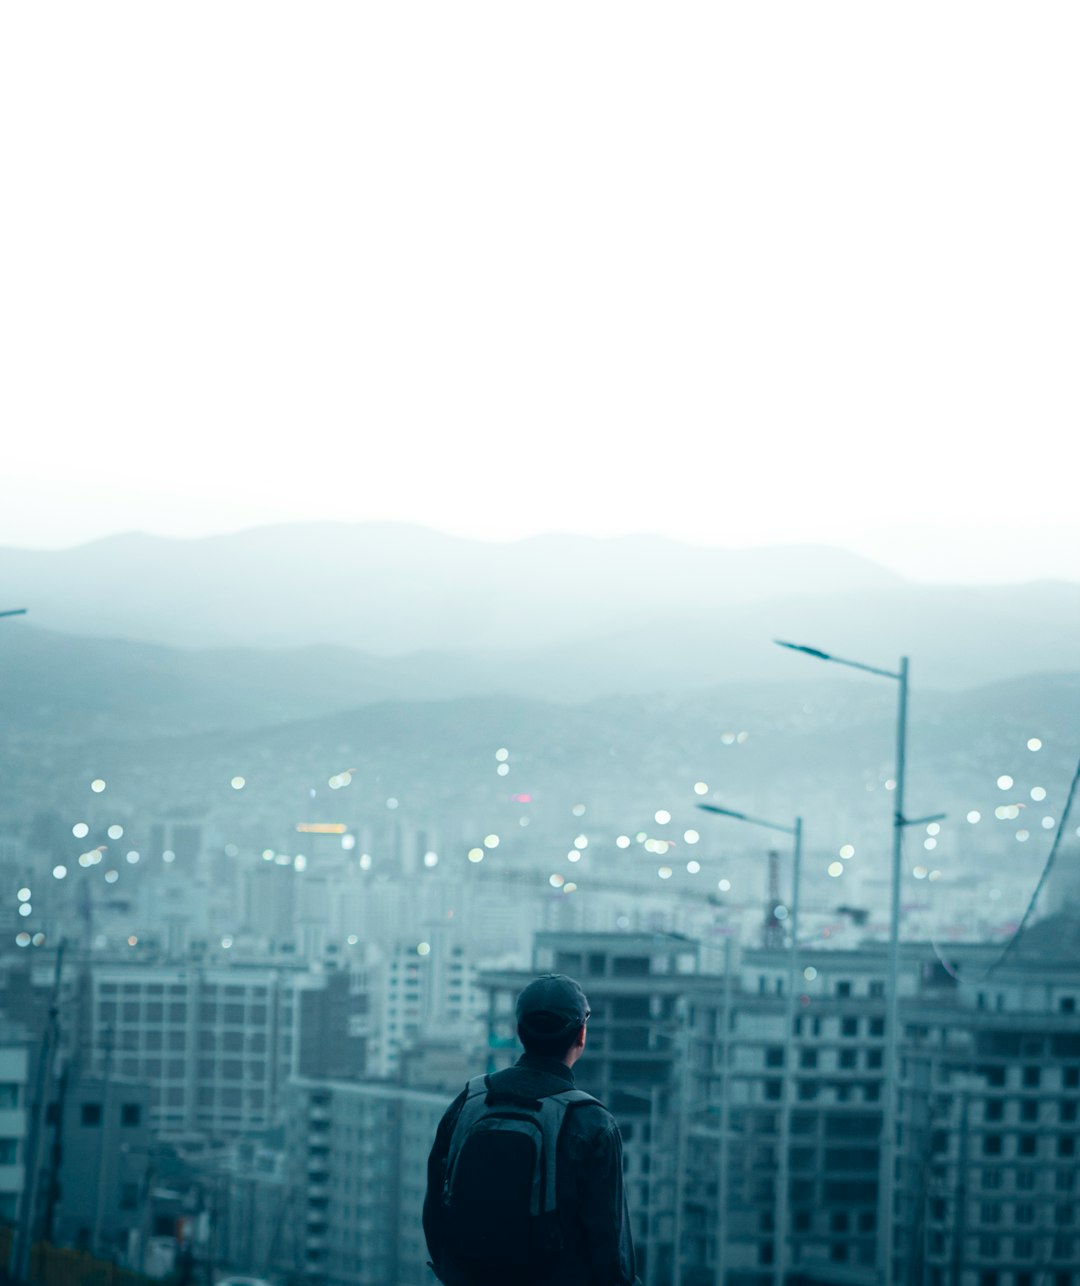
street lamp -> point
(892, 981)
(780, 1259)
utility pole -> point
(103, 1156)
(886, 1207)
(725, 1119)
(19, 1258)
(683, 1125)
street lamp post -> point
(780, 1258)
(887, 1180)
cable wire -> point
(1047, 866)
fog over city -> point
(489, 493)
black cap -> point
(547, 1000)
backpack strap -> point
(471, 1111)
(552, 1115)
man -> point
(594, 1242)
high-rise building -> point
(358, 1154)
(216, 1044)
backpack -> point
(499, 1190)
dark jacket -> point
(599, 1250)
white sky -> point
(736, 273)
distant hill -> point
(393, 589)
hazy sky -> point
(737, 273)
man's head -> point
(551, 1015)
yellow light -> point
(321, 828)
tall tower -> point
(772, 928)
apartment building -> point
(640, 986)
(425, 987)
(358, 1154)
(14, 1123)
(216, 1044)
(990, 1117)
(102, 1166)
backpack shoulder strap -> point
(552, 1115)
(471, 1111)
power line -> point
(1047, 867)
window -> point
(1025, 1213)
(1067, 1110)
(774, 1056)
(849, 1026)
(9, 1094)
(90, 1114)
(1025, 1180)
(991, 1179)
(1032, 1077)
(1028, 1145)
(1066, 1145)
(990, 1212)
(994, 1109)
(130, 1114)
(843, 989)
(808, 1058)
(991, 1145)
(1070, 1078)
(877, 1026)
